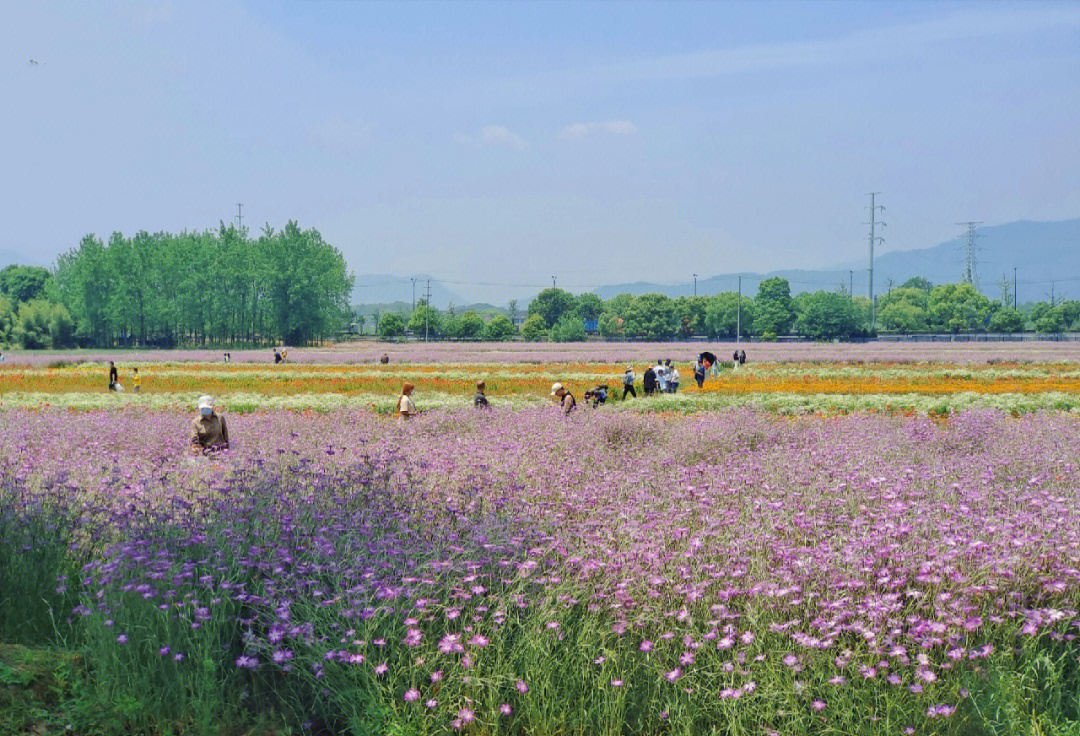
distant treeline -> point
(916, 306)
(163, 289)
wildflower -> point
(164, 650)
(413, 637)
(646, 646)
(246, 661)
(466, 715)
(505, 709)
(381, 669)
(616, 683)
(282, 655)
(687, 658)
(178, 657)
(521, 687)
(673, 675)
(122, 639)
(431, 703)
(436, 675)
(478, 641)
(411, 695)
(818, 705)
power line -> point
(971, 259)
(873, 239)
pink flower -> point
(522, 687)
(412, 695)
(436, 675)
(505, 709)
(818, 705)
(431, 703)
(616, 683)
(674, 675)
(646, 646)
(466, 715)
(381, 669)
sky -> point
(497, 145)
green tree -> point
(499, 328)
(551, 304)
(425, 320)
(917, 282)
(956, 307)
(589, 306)
(651, 317)
(390, 326)
(690, 315)
(1006, 320)
(774, 310)
(904, 310)
(722, 315)
(534, 328)
(610, 325)
(23, 283)
(7, 320)
(1052, 321)
(569, 328)
(42, 324)
(470, 325)
(825, 315)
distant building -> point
(592, 326)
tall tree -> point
(774, 312)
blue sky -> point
(507, 142)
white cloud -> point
(494, 135)
(578, 131)
(342, 135)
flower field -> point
(830, 540)
(515, 571)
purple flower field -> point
(517, 572)
(590, 352)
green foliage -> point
(23, 283)
(41, 324)
(569, 328)
(7, 320)
(499, 328)
(222, 287)
(1006, 320)
(392, 325)
(825, 315)
(722, 314)
(552, 304)
(467, 326)
(610, 325)
(958, 307)
(534, 328)
(650, 317)
(690, 315)
(904, 310)
(425, 320)
(917, 282)
(589, 306)
(1052, 321)
(775, 310)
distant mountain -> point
(1040, 251)
(383, 289)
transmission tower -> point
(971, 250)
(874, 222)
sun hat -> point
(556, 388)
(206, 402)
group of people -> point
(114, 379)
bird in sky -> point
(33, 62)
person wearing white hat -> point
(209, 431)
(566, 399)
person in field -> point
(479, 399)
(742, 358)
(113, 377)
(209, 433)
(628, 382)
(277, 356)
(136, 381)
(699, 373)
(673, 378)
(384, 359)
(648, 381)
(566, 399)
(661, 376)
(406, 409)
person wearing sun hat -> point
(209, 431)
(566, 399)
(628, 382)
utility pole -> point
(971, 261)
(695, 284)
(552, 282)
(427, 309)
(1014, 287)
(413, 294)
(239, 215)
(873, 240)
(738, 316)
(851, 284)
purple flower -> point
(412, 695)
(246, 661)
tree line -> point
(917, 306)
(193, 288)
